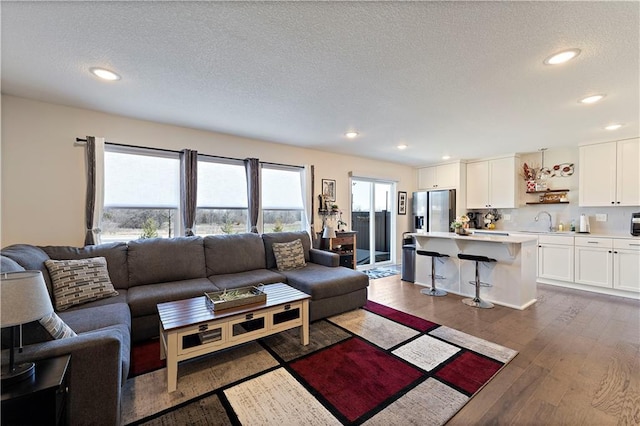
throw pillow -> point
(79, 281)
(289, 255)
(56, 327)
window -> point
(141, 194)
(282, 206)
(222, 197)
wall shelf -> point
(546, 191)
(548, 202)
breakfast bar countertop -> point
(491, 238)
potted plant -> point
(460, 224)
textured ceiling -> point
(458, 78)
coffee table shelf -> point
(189, 328)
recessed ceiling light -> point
(446, 157)
(351, 135)
(105, 74)
(613, 126)
(591, 99)
(403, 146)
(562, 57)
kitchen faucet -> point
(550, 220)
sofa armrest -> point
(94, 374)
(323, 257)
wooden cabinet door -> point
(555, 262)
(594, 266)
(447, 176)
(502, 183)
(597, 175)
(478, 185)
(427, 178)
(628, 173)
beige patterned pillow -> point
(56, 327)
(79, 281)
(289, 255)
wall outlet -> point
(601, 217)
(506, 216)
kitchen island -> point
(512, 277)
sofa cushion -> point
(97, 317)
(289, 255)
(322, 282)
(30, 258)
(243, 279)
(56, 327)
(79, 281)
(143, 300)
(159, 260)
(115, 253)
(283, 237)
(228, 254)
(9, 265)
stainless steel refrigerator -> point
(433, 211)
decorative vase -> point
(531, 186)
(459, 230)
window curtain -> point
(307, 196)
(188, 189)
(252, 168)
(94, 154)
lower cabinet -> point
(607, 263)
(594, 261)
(626, 265)
(555, 258)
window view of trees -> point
(220, 221)
(131, 224)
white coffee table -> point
(189, 328)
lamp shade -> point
(24, 297)
(329, 232)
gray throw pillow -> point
(79, 281)
(289, 255)
(56, 327)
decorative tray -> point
(226, 299)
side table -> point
(42, 399)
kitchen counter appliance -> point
(635, 224)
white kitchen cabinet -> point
(594, 261)
(492, 184)
(555, 257)
(609, 174)
(626, 265)
(443, 176)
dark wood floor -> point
(578, 361)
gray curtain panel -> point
(90, 153)
(188, 189)
(252, 167)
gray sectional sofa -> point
(152, 271)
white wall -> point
(43, 172)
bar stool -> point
(476, 301)
(433, 291)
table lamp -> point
(24, 299)
(329, 232)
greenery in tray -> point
(227, 296)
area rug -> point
(373, 366)
(376, 273)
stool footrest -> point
(482, 283)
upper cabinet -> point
(444, 176)
(609, 174)
(492, 183)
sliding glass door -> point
(372, 203)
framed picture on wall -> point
(329, 189)
(402, 202)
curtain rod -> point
(177, 152)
